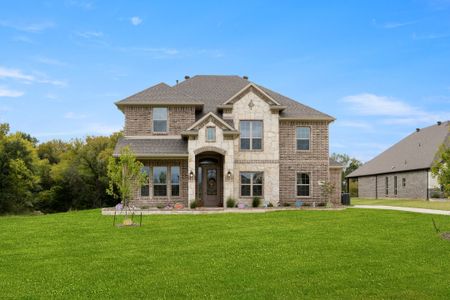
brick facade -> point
(314, 161)
(336, 180)
(138, 120)
(375, 186)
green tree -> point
(350, 164)
(441, 168)
(125, 176)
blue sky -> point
(382, 68)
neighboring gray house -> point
(208, 138)
(403, 171)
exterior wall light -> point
(191, 175)
(229, 175)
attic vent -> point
(417, 129)
(245, 77)
(187, 77)
(439, 123)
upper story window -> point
(251, 135)
(160, 119)
(303, 136)
(211, 134)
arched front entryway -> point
(209, 179)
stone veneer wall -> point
(151, 200)
(373, 186)
(138, 120)
(336, 180)
(314, 161)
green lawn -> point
(354, 253)
(403, 202)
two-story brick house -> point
(213, 137)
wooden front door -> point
(211, 185)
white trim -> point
(257, 88)
(210, 114)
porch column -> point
(191, 181)
(228, 186)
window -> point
(145, 188)
(395, 185)
(302, 136)
(386, 185)
(160, 181)
(251, 184)
(211, 134)
(159, 119)
(303, 184)
(251, 135)
(403, 182)
(175, 180)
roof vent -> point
(417, 129)
(439, 123)
(245, 77)
(187, 77)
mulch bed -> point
(446, 236)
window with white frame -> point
(251, 134)
(303, 137)
(303, 184)
(160, 119)
(145, 188)
(159, 181)
(175, 180)
(251, 184)
(210, 134)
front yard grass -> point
(403, 202)
(289, 254)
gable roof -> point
(417, 151)
(212, 91)
(249, 87)
(212, 116)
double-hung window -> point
(386, 185)
(303, 137)
(175, 180)
(251, 135)
(160, 181)
(303, 185)
(252, 184)
(145, 188)
(210, 134)
(395, 185)
(160, 119)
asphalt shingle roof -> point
(152, 147)
(212, 91)
(416, 151)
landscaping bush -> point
(231, 202)
(285, 204)
(194, 204)
(270, 204)
(256, 201)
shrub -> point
(286, 204)
(231, 202)
(194, 204)
(256, 201)
(270, 204)
(160, 206)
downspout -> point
(376, 186)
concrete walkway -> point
(410, 209)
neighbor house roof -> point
(416, 151)
(153, 147)
(212, 91)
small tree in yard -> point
(441, 169)
(327, 189)
(125, 176)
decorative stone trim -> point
(256, 161)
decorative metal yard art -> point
(129, 214)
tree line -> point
(53, 176)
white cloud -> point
(397, 112)
(431, 36)
(74, 116)
(5, 92)
(87, 5)
(136, 21)
(392, 24)
(28, 27)
(50, 61)
(19, 75)
(89, 34)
